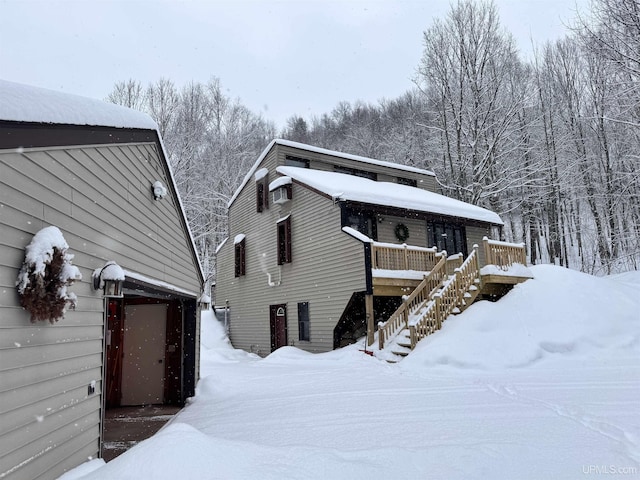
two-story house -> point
(315, 237)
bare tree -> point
(128, 93)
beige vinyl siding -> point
(474, 237)
(100, 198)
(247, 295)
(417, 230)
(327, 267)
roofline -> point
(394, 210)
(324, 151)
(349, 156)
(18, 134)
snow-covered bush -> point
(45, 275)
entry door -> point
(143, 363)
(278, 321)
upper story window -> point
(291, 161)
(262, 190)
(284, 240)
(354, 171)
(240, 255)
(411, 182)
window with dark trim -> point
(355, 172)
(447, 236)
(291, 161)
(363, 221)
(411, 182)
(284, 241)
(303, 322)
(262, 195)
(240, 257)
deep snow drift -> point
(542, 384)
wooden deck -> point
(450, 285)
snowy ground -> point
(543, 384)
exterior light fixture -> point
(109, 278)
(159, 190)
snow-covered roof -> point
(357, 189)
(311, 148)
(24, 103)
(358, 158)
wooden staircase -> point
(447, 289)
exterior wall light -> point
(110, 278)
(159, 190)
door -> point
(278, 323)
(143, 362)
(113, 342)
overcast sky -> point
(279, 57)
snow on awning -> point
(362, 190)
(279, 182)
(260, 174)
(159, 283)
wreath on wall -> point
(45, 275)
(402, 232)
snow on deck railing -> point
(504, 254)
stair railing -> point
(447, 299)
(421, 294)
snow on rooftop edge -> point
(159, 283)
(363, 190)
(334, 153)
(25, 103)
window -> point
(291, 161)
(262, 196)
(447, 236)
(411, 182)
(284, 241)
(262, 189)
(360, 220)
(303, 322)
(240, 256)
(358, 173)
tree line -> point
(551, 144)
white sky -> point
(280, 58)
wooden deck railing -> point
(503, 254)
(453, 262)
(451, 296)
(388, 256)
(422, 293)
